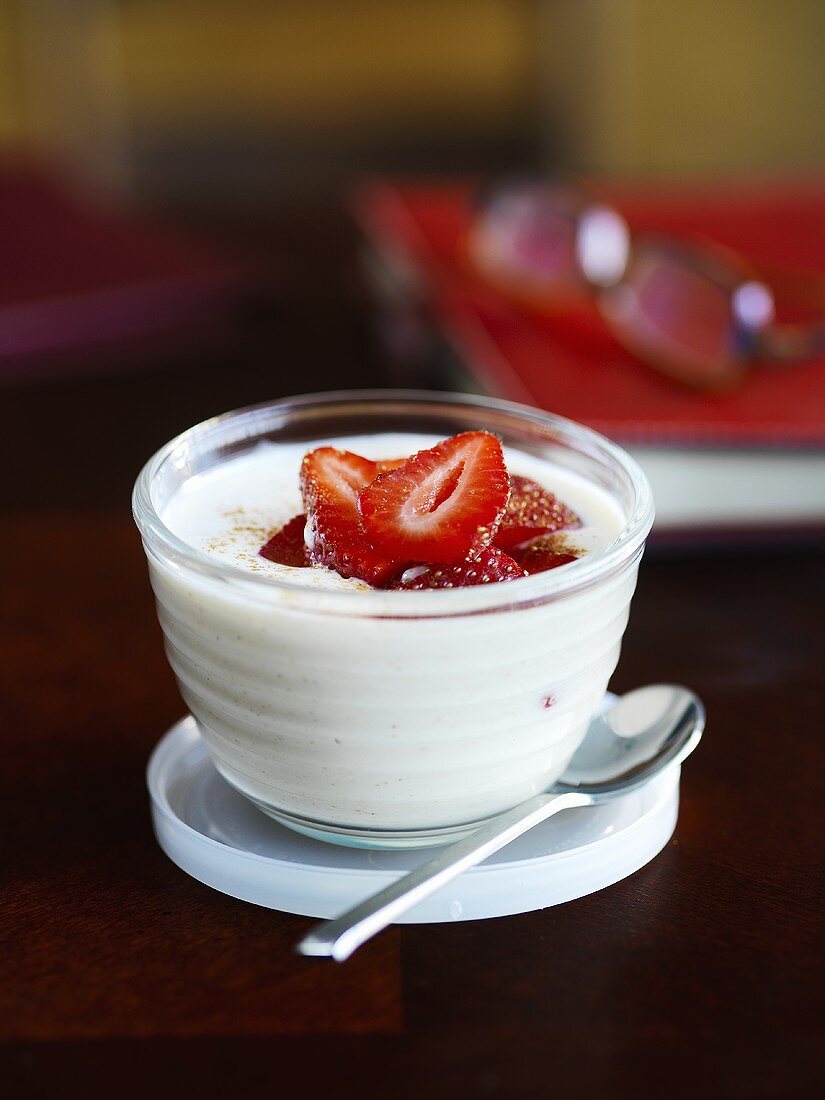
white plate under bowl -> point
(214, 834)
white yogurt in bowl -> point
(373, 717)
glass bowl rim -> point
(539, 588)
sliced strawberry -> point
(441, 502)
(485, 566)
(542, 554)
(385, 464)
(330, 483)
(287, 546)
(532, 510)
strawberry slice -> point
(330, 483)
(287, 546)
(440, 503)
(542, 554)
(485, 566)
(532, 510)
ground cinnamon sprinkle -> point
(557, 542)
(245, 531)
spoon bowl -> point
(643, 733)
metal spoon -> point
(643, 733)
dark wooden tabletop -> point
(699, 975)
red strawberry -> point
(532, 510)
(542, 554)
(485, 566)
(330, 483)
(287, 546)
(441, 502)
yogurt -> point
(373, 717)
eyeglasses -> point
(694, 311)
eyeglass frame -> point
(767, 341)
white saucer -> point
(217, 836)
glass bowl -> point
(384, 718)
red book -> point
(752, 458)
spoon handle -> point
(340, 937)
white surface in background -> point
(726, 488)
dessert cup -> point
(386, 718)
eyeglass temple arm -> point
(784, 342)
(791, 343)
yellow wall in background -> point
(679, 86)
(627, 86)
(357, 62)
(119, 92)
(12, 127)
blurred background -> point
(207, 147)
(243, 104)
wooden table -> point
(698, 976)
